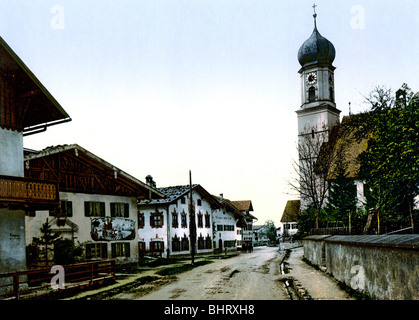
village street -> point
(249, 276)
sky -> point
(162, 87)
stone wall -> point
(382, 266)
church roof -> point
(347, 140)
(316, 49)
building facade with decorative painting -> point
(164, 227)
(98, 202)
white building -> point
(289, 219)
(98, 202)
(245, 226)
(164, 224)
(225, 221)
(260, 236)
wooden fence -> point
(336, 231)
(34, 283)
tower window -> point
(311, 94)
(312, 133)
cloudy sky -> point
(162, 87)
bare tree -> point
(316, 155)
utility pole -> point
(192, 225)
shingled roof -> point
(228, 204)
(291, 212)
(243, 205)
(176, 192)
(347, 140)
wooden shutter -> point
(102, 209)
(113, 249)
(87, 209)
(127, 250)
(69, 209)
(104, 250)
(112, 209)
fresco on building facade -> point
(108, 229)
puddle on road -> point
(233, 273)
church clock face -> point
(311, 78)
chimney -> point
(150, 182)
(221, 196)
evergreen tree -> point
(342, 200)
(47, 239)
(270, 230)
(307, 221)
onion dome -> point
(316, 49)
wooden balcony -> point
(29, 193)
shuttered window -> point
(119, 209)
(96, 250)
(121, 249)
(94, 209)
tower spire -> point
(315, 15)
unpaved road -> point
(249, 276)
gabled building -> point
(26, 107)
(245, 229)
(289, 219)
(164, 226)
(227, 221)
(97, 202)
(259, 235)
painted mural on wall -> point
(108, 229)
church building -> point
(324, 140)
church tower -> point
(317, 114)
(318, 110)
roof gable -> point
(291, 212)
(174, 193)
(347, 140)
(78, 170)
(230, 207)
(33, 108)
(243, 205)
